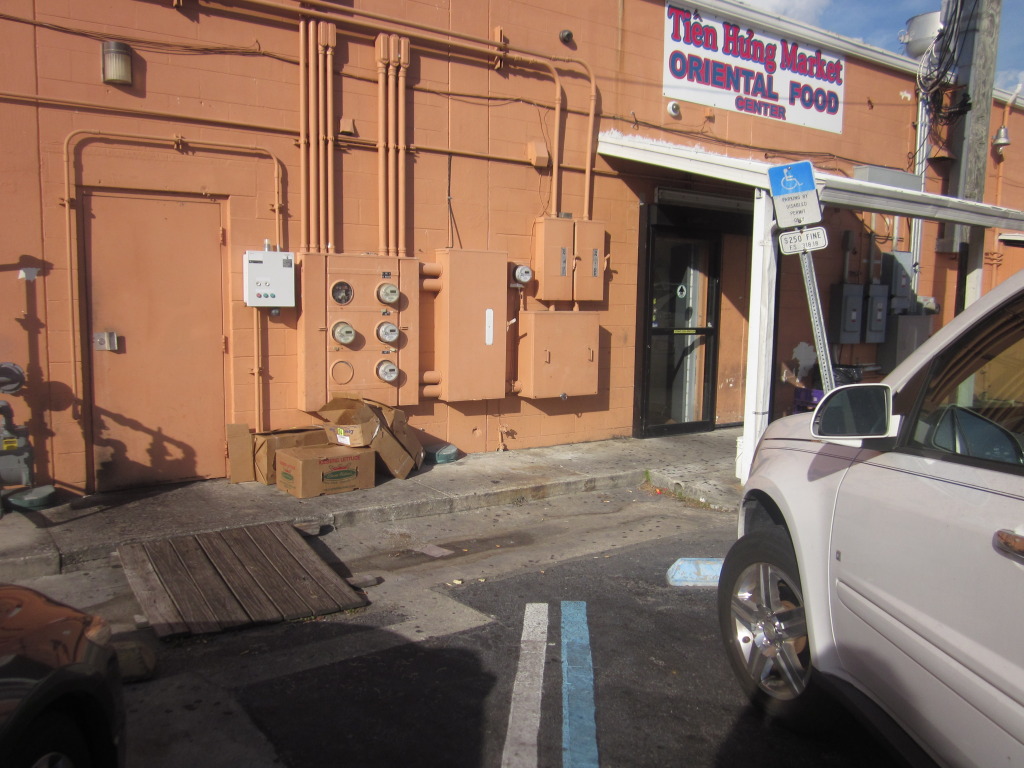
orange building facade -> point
(449, 207)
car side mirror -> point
(848, 415)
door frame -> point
(84, 310)
(641, 420)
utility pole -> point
(970, 138)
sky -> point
(879, 22)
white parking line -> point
(524, 715)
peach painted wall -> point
(214, 110)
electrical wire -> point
(184, 49)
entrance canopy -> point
(838, 190)
(834, 190)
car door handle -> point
(1009, 542)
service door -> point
(155, 335)
(681, 339)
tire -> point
(54, 740)
(761, 614)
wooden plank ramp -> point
(210, 582)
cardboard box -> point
(240, 467)
(350, 421)
(317, 470)
(397, 431)
(267, 444)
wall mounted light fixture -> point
(117, 63)
(1001, 139)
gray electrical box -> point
(876, 309)
(906, 333)
(268, 278)
(898, 274)
(846, 311)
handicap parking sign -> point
(794, 194)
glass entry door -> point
(681, 343)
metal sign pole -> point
(828, 382)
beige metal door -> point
(154, 286)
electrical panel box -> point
(268, 279)
(558, 354)
(847, 313)
(471, 325)
(906, 333)
(368, 327)
(588, 274)
(876, 310)
(553, 255)
(898, 274)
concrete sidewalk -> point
(697, 467)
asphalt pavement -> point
(84, 532)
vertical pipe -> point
(392, 144)
(314, 124)
(332, 203)
(257, 366)
(404, 53)
(556, 148)
(382, 186)
(303, 137)
(321, 145)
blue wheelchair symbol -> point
(791, 178)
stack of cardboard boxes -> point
(342, 455)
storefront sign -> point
(728, 65)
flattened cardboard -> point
(267, 444)
(240, 466)
(392, 455)
(317, 470)
(349, 422)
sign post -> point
(795, 197)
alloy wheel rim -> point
(770, 630)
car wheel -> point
(763, 624)
(53, 741)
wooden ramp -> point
(228, 579)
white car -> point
(881, 549)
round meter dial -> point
(388, 293)
(523, 274)
(387, 332)
(342, 292)
(343, 333)
(387, 371)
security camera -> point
(673, 109)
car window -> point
(973, 404)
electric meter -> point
(343, 333)
(523, 274)
(387, 332)
(341, 292)
(387, 371)
(388, 293)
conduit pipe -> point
(498, 46)
(69, 205)
(332, 241)
(323, 35)
(442, 39)
(404, 52)
(392, 145)
(382, 192)
(303, 136)
(51, 101)
(314, 156)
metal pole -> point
(828, 382)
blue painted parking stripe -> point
(579, 727)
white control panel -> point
(269, 278)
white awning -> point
(834, 190)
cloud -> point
(809, 11)
(1007, 79)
